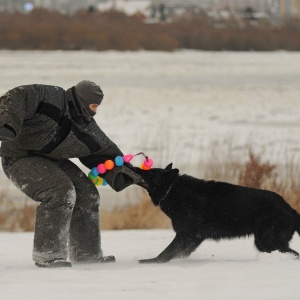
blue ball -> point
(119, 161)
(94, 171)
(104, 183)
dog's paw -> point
(150, 261)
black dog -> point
(202, 210)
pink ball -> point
(101, 168)
(127, 158)
(148, 163)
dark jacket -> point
(45, 123)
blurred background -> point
(150, 24)
(277, 10)
(210, 85)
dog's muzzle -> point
(121, 177)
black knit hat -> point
(89, 92)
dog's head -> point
(157, 181)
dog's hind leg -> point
(273, 233)
(289, 250)
(284, 249)
(181, 246)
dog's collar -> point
(166, 193)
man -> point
(41, 127)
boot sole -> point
(58, 264)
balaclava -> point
(87, 93)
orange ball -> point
(109, 164)
(143, 167)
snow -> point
(175, 107)
(185, 107)
(230, 270)
(188, 99)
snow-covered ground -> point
(178, 106)
(174, 107)
(230, 270)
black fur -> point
(202, 210)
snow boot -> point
(54, 263)
(107, 259)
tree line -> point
(91, 30)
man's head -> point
(89, 95)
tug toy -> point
(110, 164)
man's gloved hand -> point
(121, 177)
(7, 133)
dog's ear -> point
(170, 176)
(169, 167)
(174, 172)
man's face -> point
(94, 107)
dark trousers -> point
(67, 219)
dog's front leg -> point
(181, 246)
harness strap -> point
(167, 193)
(64, 126)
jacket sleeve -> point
(119, 177)
(18, 104)
(111, 151)
(101, 146)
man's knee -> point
(87, 194)
(62, 195)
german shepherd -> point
(201, 210)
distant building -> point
(60, 5)
(275, 9)
(129, 7)
(288, 8)
(278, 9)
(12, 5)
